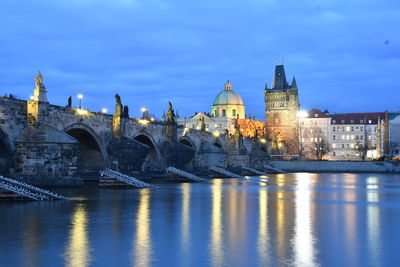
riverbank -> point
(336, 166)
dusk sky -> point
(345, 54)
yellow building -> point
(228, 104)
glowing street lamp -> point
(80, 97)
(103, 110)
(302, 114)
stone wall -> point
(47, 163)
(336, 166)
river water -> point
(297, 219)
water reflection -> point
(78, 249)
(263, 238)
(296, 220)
(304, 247)
(142, 245)
(31, 241)
(216, 240)
(373, 229)
(185, 227)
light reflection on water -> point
(142, 242)
(78, 248)
(278, 220)
(216, 241)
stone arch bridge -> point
(48, 144)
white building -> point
(348, 136)
(313, 131)
(227, 107)
(394, 134)
(355, 134)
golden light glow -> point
(78, 249)
(216, 245)
(216, 133)
(80, 96)
(152, 119)
(263, 141)
(143, 122)
(143, 109)
(104, 110)
(31, 97)
(185, 131)
(82, 112)
(143, 249)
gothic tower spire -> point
(279, 80)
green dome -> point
(228, 97)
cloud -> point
(153, 51)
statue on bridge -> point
(170, 114)
(39, 94)
(69, 102)
(118, 99)
(39, 81)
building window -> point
(357, 137)
(223, 113)
(334, 129)
(334, 154)
(234, 112)
(334, 145)
(333, 121)
(342, 145)
(361, 128)
(352, 128)
(361, 121)
(347, 145)
(357, 128)
(361, 137)
(342, 121)
(334, 137)
(370, 121)
(348, 128)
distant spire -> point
(294, 84)
(279, 81)
(228, 86)
(266, 86)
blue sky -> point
(345, 54)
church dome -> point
(228, 97)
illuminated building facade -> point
(281, 107)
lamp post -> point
(80, 97)
(104, 110)
(145, 114)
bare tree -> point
(362, 149)
(319, 146)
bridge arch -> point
(146, 139)
(92, 152)
(6, 151)
(153, 160)
(218, 144)
(188, 142)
